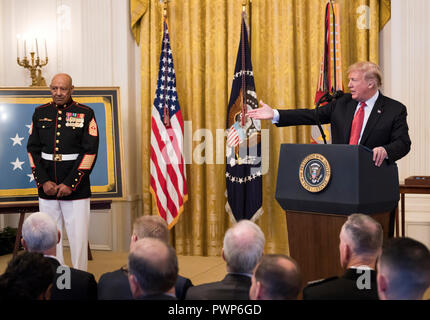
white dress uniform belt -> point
(60, 157)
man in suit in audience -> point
(360, 245)
(243, 248)
(28, 276)
(114, 285)
(403, 270)
(152, 270)
(276, 277)
(40, 234)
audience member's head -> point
(403, 270)
(243, 247)
(27, 277)
(360, 241)
(152, 267)
(276, 277)
(40, 233)
(150, 226)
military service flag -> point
(168, 184)
(330, 76)
(243, 150)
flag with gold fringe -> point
(330, 76)
(243, 150)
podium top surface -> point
(355, 184)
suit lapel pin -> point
(379, 111)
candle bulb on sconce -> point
(37, 51)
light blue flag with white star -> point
(16, 178)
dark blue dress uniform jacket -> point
(62, 130)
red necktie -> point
(357, 124)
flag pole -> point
(242, 41)
(334, 47)
(250, 23)
(165, 8)
(166, 116)
(249, 17)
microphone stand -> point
(325, 98)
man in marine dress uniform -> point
(360, 245)
(62, 149)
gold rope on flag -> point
(338, 57)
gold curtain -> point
(286, 47)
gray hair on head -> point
(40, 232)
(243, 246)
(365, 233)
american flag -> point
(167, 167)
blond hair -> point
(370, 70)
(152, 227)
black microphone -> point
(327, 97)
(334, 96)
(338, 94)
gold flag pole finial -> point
(165, 8)
(244, 2)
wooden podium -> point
(315, 218)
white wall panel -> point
(405, 51)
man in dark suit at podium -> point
(364, 116)
(360, 245)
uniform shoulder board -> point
(81, 105)
(44, 105)
(320, 281)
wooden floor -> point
(198, 269)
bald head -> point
(153, 267)
(61, 88)
(151, 249)
(63, 77)
(276, 277)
